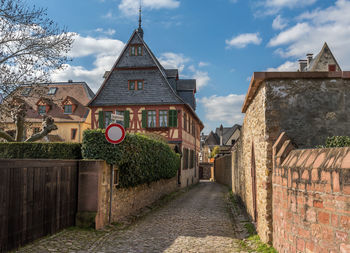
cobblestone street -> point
(196, 221)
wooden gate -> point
(37, 198)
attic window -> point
(52, 91)
(26, 91)
(135, 84)
(42, 109)
(136, 50)
(68, 109)
(331, 67)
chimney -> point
(302, 65)
(70, 81)
(221, 134)
(309, 58)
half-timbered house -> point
(151, 99)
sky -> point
(220, 43)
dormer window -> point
(69, 105)
(136, 50)
(42, 109)
(52, 91)
(68, 109)
(135, 84)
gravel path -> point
(196, 221)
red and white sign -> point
(115, 133)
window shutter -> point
(126, 119)
(173, 118)
(144, 119)
(100, 120)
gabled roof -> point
(227, 133)
(78, 91)
(186, 84)
(323, 56)
(172, 73)
(212, 139)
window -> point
(26, 91)
(191, 159)
(332, 67)
(108, 120)
(135, 85)
(52, 91)
(42, 109)
(73, 133)
(140, 85)
(68, 109)
(136, 50)
(163, 118)
(185, 159)
(185, 121)
(151, 119)
(36, 130)
(131, 85)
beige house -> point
(65, 102)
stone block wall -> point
(311, 199)
(223, 170)
(94, 195)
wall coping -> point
(259, 77)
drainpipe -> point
(195, 151)
(111, 194)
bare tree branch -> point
(6, 136)
(48, 126)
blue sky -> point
(220, 43)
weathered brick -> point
(335, 220)
(302, 232)
(300, 244)
(310, 247)
(336, 186)
(318, 203)
(345, 222)
(344, 248)
(323, 217)
(341, 236)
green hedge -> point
(36, 150)
(139, 158)
(337, 141)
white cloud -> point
(222, 109)
(285, 67)
(242, 40)
(105, 51)
(130, 7)
(105, 32)
(288, 3)
(279, 23)
(313, 29)
(173, 61)
(202, 78)
(203, 64)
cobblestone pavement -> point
(196, 221)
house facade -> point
(65, 102)
(151, 100)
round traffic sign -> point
(115, 133)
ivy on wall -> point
(139, 158)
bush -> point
(36, 150)
(139, 158)
(337, 142)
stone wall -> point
(311, 196)
(205, 171)
(94, 196)
(223, 170)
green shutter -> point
(144, 119)
(100, 120)
(173, 118)
(126, 119)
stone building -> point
(308, 105)
(152, 100)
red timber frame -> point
(136, 119)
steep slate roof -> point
(212, 139)
(160, 85)
(79, 92)
(227, 133)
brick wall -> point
(311, 198)
(223, 170)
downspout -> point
(195, 151)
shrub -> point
(36, 150)
(215, 151)
(139, 158)
(337, 142)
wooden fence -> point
(37, 198)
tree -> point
(31, 46)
